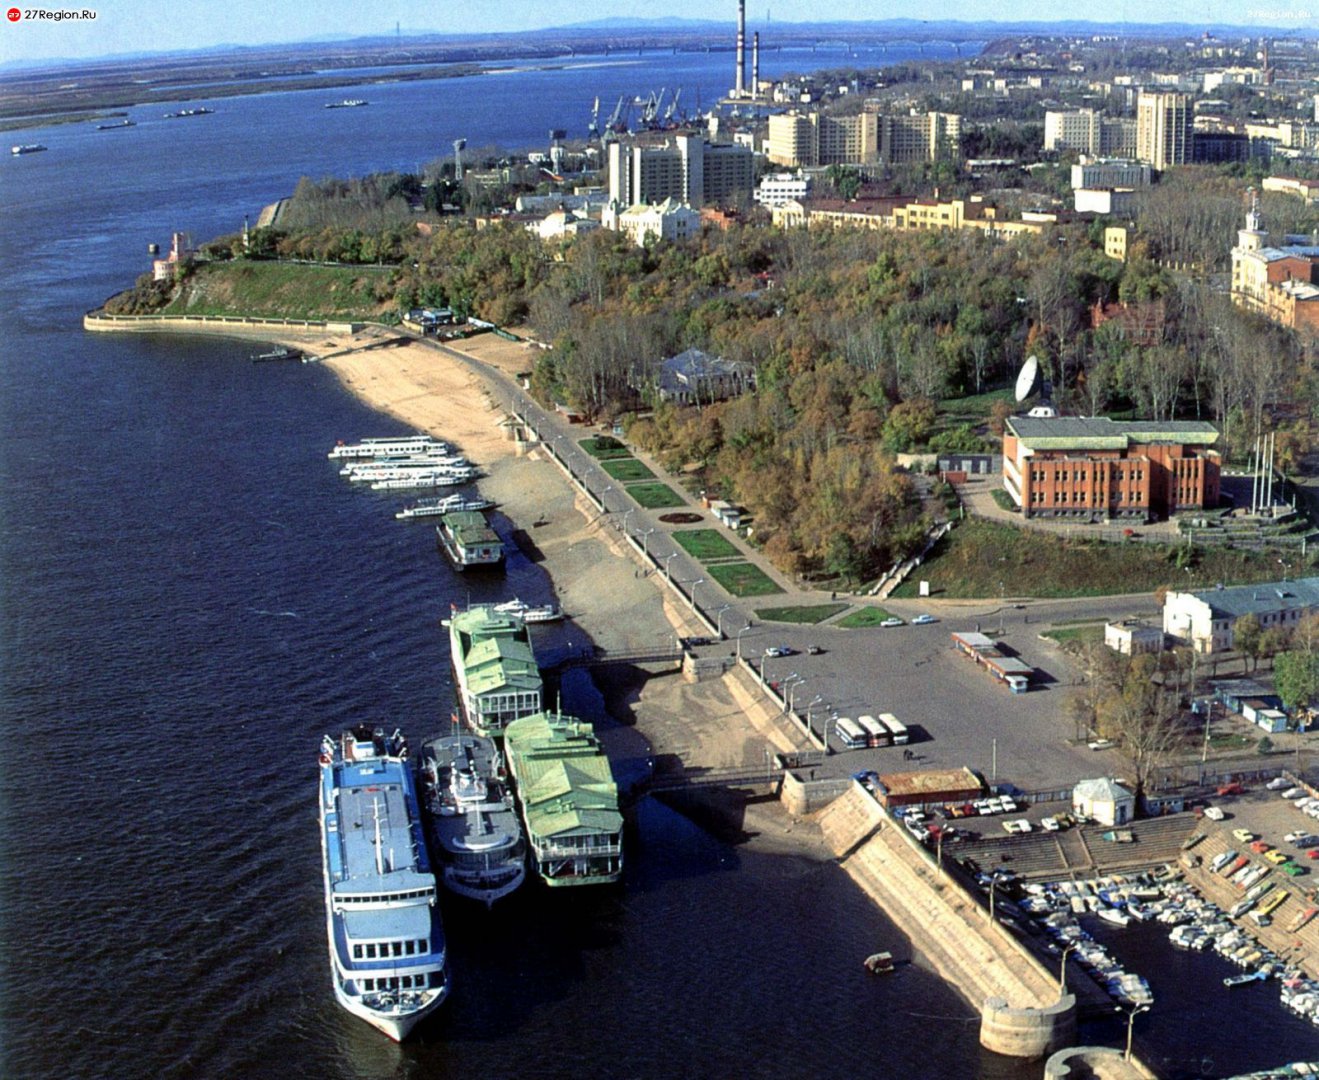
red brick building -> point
(1098, 469)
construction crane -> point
(458, 146)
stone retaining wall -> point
(101, 322)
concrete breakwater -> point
(101, 322)
(1022, 1012)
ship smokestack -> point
(755, 64)
(741, 47)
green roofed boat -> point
(494, 668)
(569, 799)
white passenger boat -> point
(420, 481)
(531, 613)
(386, 942)
(446, 504)
(370, 448)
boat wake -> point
(275, 614)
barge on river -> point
(569, 799)
(468, 540)
(495, 672)
(386, 942)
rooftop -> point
(1101, 433)
(1237, 600)
(930, 781)
(1104, 789)
(564, 779)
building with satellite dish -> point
(1097, 469)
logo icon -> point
(14, 14)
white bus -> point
(876, 733)
(901, 736)
(850, 733)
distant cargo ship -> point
(116, 127)
(348, 103)
(188, 112)
(26, 148)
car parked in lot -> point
(1244, 835)
(1278, 783)
(923, 620)
(892, 620)
(1213, 813)
(780, 650)
(1294, 793)
(1276, 857)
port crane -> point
(593, 128)
(616, 123)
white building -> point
(1132, 638)
(1104, 801)
(779, 188)
(1110, 173)
(1206, 620)
(1163, 129)
(670, 220)
(563, 223)
(687, 168)
(1072, 129)
(1104, 200)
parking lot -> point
(956, 712)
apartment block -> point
(1163, 129)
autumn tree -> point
(1247, 637)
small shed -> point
(1233, 693)
(1271, 720)
(726, 513)
(1104, 800)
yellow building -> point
(1115, 242)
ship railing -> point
(577, 851)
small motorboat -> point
(880, 963)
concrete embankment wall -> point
(1022, 1014)
(1094, 1063)
(99, 322)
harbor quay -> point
(729, 715)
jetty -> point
(1022, 1012)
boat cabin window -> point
(409, 948)
(371, 951)
(357, 952)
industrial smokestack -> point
(738, 84)
(755, 64)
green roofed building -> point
(569, 799)
(494, 667)
(1098, 469)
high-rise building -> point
(867, 138)
(1073, 129)
(1163, 129)
(687, 169)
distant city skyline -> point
(131, 26)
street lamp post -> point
(691, 597)
(739, 637)
(668, 560)
(1062, 973)
(719, 620)
(790, 685)
(627, 514)
(604, 509)
(824, 739)
(1132, 1013)
(645, 542)
(1002, 600)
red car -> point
(1230, 789)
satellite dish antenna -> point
(1028, 381)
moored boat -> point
(348, 103)
(386, 941)
(494, 666)
(27, 148)
(471, 817)
(382, 446)
(467, 540)
(568, 797)
(446, 504)
(532, 613)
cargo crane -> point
(650, 109)
(616, 125)
(593, 128)
(671, 115)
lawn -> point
(603, 447)
(655, 496)
(705, 544)
(813, 613)
(280, 290)
(866, 616)
(986, 559)
(742, 579)
(626, 469)
(975, 405)
(1065, 635)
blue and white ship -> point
(387, 949)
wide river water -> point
(190, 597)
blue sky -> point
(157, 25)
